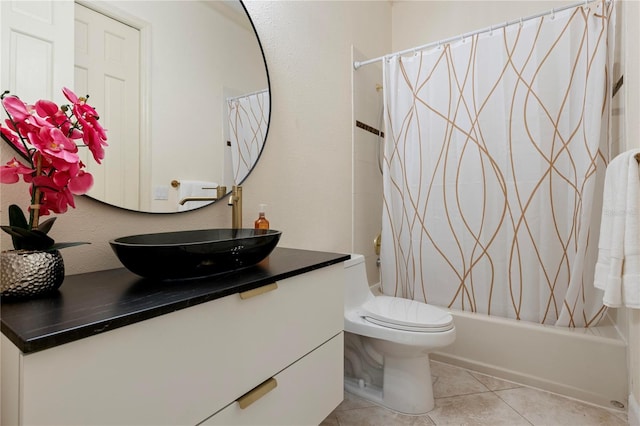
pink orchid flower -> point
(52, 142)
(13, 140)
(50, 115)
(16, 108)
(10, 172)
(46, 135)
(46, 108)
(56, 201)
(78, 181)
(95, 145)
(81, 183)
(68, 93)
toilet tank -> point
(356, 288)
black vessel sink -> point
(194, 254)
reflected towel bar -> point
(176, 183)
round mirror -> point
(183, 90)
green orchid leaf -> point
(18, 231)
(36, 239)
(9, 230)
(40, 240)
(19, 236)
(46, 225)
(24, 239)
(58, 246)
(17, 217)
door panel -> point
(107, 67)
(36, 54)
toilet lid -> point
(405, 314)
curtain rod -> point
(358, 64)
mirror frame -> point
(266, 69)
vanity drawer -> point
(304, 393)
(181, 367)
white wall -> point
(305, 171)
(631, 111)
(419, 22)
(304, 174)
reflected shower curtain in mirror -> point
(494, 162)
(248, 122)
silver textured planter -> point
(26, 273)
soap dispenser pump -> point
(261, 222)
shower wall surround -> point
(367, 182)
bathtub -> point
(587, 364)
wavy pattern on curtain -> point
(495, 155)
(248, 122)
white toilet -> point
(387, 344)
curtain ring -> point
(553, 13)
(520, 22)
(491, 30)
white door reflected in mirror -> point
(197, 61)
(107, 67)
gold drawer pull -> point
(258, 291)
(256, 393)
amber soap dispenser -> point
(261, 222)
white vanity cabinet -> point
(191, 366)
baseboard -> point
(521, 352)
(633, 412)
(521, 378)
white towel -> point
(195, 188)
(618, 267)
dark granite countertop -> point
(92, 303)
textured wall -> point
(631, 112)
(304, 174)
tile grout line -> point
(513, 408)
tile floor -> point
(464, 397)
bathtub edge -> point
(588, 368)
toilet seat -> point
(405, 314)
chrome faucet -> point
(235, 201)
(220, 192)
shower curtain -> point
(494, 162)
(248, 122)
